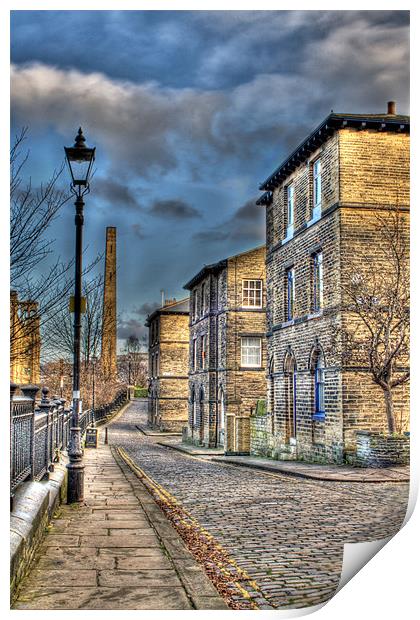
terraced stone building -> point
(323, 205)
(227, 359)
(168, 366)
(25, 341)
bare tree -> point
(95, 386)
(132, 364)
(33, 274)
(374, 331)
(32, 211)
(60, 341)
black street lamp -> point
(80, 159)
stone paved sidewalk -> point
(333, 473)
(115, 551)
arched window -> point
(317, 367)
(319, 389)
(221, 417)
(202, 396)
(194, 408)
(290, 373)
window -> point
(194, 354)
(195, 305)
(290, 194)
(157, 364)
(203, 351)
(203, 299)
(319, 389)
(290, 300)
(252, 293)
(194, 408)
(316, 177)
(318, 281)
(251, 352)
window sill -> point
(316, 216)
(315, 315)
(288, 237)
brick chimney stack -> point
(109, 315)
(392, 108)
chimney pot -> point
(392, 109)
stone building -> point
(109, 314)
(25, 341)
(323, 204)
(168, 366)
(227, 350)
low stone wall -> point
(34, 504)
(377, 450)
(259, 436)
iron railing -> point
(38, 433)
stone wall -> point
(168, 374)
(222, 386)
(363, 174)
(259, 435)
(376, 450)
(34, 505)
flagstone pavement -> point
(115, 551)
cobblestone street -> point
(287, 533)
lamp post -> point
(80, 159)
(61, 377)
(93, 381)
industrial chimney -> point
(392, 108)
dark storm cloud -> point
(131, 327)
(174, 209)
(198, 105)
(349, 62)
(184, 48)
(147, 308)
(116, 194)
(246, 224)
(138, 231)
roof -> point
(179, 307)
(213, 268)
(332, 123)
(216, 267)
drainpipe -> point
(217, 360)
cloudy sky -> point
(189, 112)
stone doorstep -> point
(192, 450)
(146, 430)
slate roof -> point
(333, 122)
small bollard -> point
(106, 435)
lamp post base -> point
(75, 482)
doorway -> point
(221, 420)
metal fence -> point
(39, 432)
